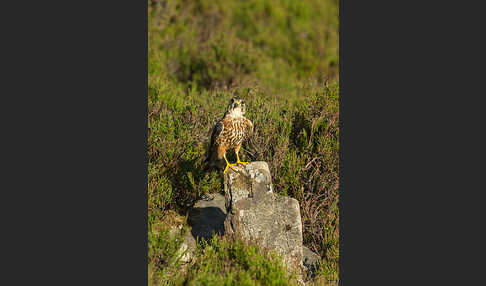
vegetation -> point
(219, 262)
(281, 56)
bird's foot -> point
(231, 166)
(238, 160)
(242, 163)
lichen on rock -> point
(256, 214)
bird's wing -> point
(217, 129)
(249, 126)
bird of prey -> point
(229, 133)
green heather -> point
(281, 56)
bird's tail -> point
(207, 161)
(206, 164)
(210, 161)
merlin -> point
(228, 133)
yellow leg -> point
(238, 160)
(228, 165)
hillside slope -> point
(282, 57)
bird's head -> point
(236, 107)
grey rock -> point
(256, 214)
(207, 217)
(187, 248)
(311, 261)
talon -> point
(242, 163)
(238, 160)
(229, 165)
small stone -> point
(311, 261)
(187, 248)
